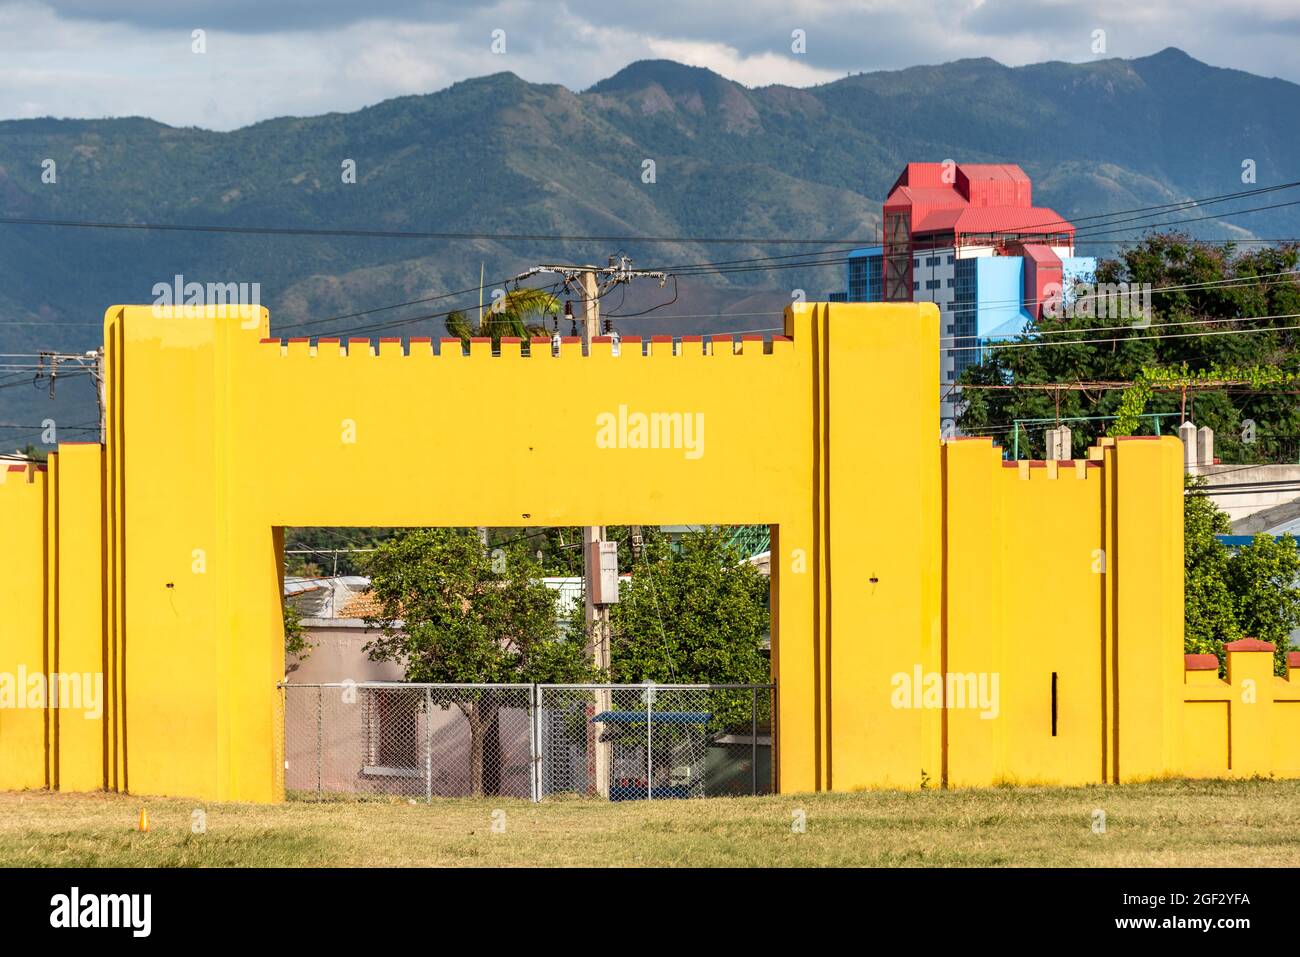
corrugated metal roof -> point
(1005, 172)
(1012, 219)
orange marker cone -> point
(144, 821)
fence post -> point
(649, 742)
(320, 742)
(428, 745)
(773, 706)
(753, 741)
(534, 741)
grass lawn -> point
(1166, 823)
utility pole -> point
(92, 362)
(595, 282)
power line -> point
(339, 232)
(1136, 339)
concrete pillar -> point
(1205, 446)
(1187, 435)
(1058, 443)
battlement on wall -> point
(18, 472)
(537, 347)
(1050, 469)
(1247, 723)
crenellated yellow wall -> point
(157, 559)
(1245, 725)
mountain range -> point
(498, 155)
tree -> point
(451, 613)
(693, 615)
(512, 314)
(1260, 283)
(1210, 617)
(1253, 592)
(295, 637)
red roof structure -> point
(948, 205)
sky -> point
(266, 58)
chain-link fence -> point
(621, 742)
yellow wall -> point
(894, 555)
(1246, 725)
(23, 730)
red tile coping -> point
(571, 340)
(1201, 662)
(751, 338)
(692, 338)
(390, 339)
(513, 339)
(330, 341)
(1137, 438)
(1249, 644)
(474, 339)
(268, 341)
(540, 340)
(358, 342)
(421, 339)
(299, 339)
(605, 340)
(1293, 659)
(18, 468)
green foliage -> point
(693, 615)
(1136, 396)
(1264, 580)
(450, 613)
(322, 543)
(1253, 592)
(295, 638)
(1267, 359)
(1210, 617)
(518, 312)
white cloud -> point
(317, 56)
(760, 69)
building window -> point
(932, 284)
(950, 283)
(391, 721)
(932, 260)
(858, 280)
(950, 259)
(864, 279)
(916, 262)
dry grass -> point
(1164, 823)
